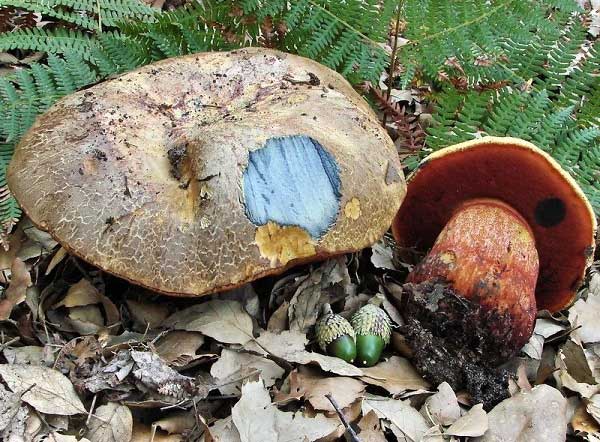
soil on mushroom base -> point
(454, 340)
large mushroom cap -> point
(525, 177)
(200, 173)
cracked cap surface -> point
(143, 175)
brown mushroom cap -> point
(526, 178)
(200, 173)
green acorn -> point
(335, 335)
(373, 331)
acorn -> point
(335, 335)
(373, 331)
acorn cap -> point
(526, 178)
(330, 327)
(372, 320)
(201, 173)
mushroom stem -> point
(487, 254)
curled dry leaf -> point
(178, 348)
(176, 423)
(147, 314)
(535, 415)
(152, 371)
(472, 424)
(574, 372)
(234, 366)
(48, 391)
(15, 293)
(370, 428)
(257, 420)
(110, 423)
(583, 422)
(593, 407)
(406, 422)
(289, 346)
(396, 375)
(146, 433)
(313, 386)
(442, 407)
(9, 406)
(223, 320)
(585, 314)
(314, 291)
(222, 430)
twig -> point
(9, 343)
(349, 429)
(87, 421)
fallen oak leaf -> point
(110, 423)
(370, 428)
(406, 421)
(257, 420)
(442, 407)
(472, 424)
(313, 387)
(396, 375)
(233, 364)
(17, 288)
(49, 391)
(223, 320)
(178, 348)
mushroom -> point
(508, 232)
(204, 172)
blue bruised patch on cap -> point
(293, 181)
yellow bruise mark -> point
(352, 209)
(297, 99)
(283, 243)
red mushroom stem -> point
(487, 254)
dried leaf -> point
(224, 321)
(30, 354)
(15, 293)
(146, 314)
(57, 437)
(370, 428)
(257, 420)
(472, 424)
(584, 422)
(289, 346)
(539, 414)
(574, 372)
(176, 423)
(396, 375)
(152, 371)
(9, 406)
(237, 365)
(110, 423)
(223, 430)
(279, 319)
(312, 386)
(145, 433)
(48, 390)
(406, 421)
(534, 347)
(585, 314)
(383, 255)
(80, 294)
(313, 292)
(178, 348)
(593, 407)
(442, 407)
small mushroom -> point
(506, 228)
(201, 173)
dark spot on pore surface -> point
(176, 155)
(99, 155)
(292, 181)
(550, 212)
